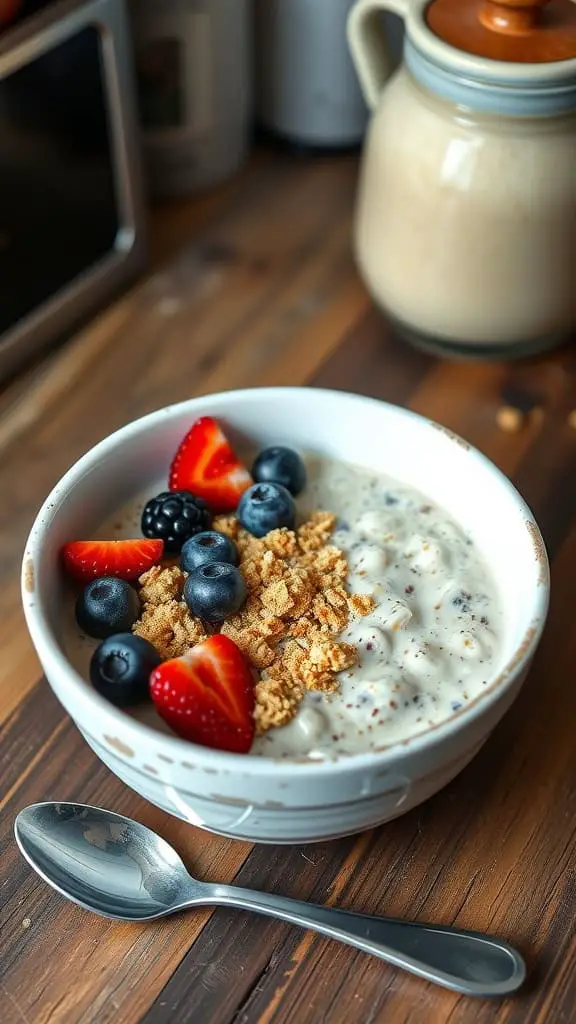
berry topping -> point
(174, 516)
(127, 559)
(207, 695)
(214, 591)
(121, 666)
(107, 605)
(280, 466)
(209, 546)
(265, 507)
(206, 464)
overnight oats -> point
(307, 608)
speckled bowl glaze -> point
(291, 801)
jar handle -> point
(368, 46)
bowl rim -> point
(116, 722)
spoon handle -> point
(467, 962)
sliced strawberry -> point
(207, 695)
(128, 559)
(206, 464)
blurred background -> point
(109, 109)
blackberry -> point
(174, 516)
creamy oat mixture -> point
(427, 647)
(431, 642)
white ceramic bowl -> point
(292, 801)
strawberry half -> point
(207, 465)
(207, 695)
(128, 559)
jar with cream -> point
(466, 216)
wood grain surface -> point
(255, 285)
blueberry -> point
(121, 666)
(173, 517)
(107, 605)
(280, 466)
(205, 547)
(265, 507)
(215, 591)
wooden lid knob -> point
(513, 17)
(521, 31)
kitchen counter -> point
(255, 285)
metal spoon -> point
(121, 869)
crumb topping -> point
(297, 604)
(160, 585)
(226, 524)
(362, 604)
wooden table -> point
(255, 285)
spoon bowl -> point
(103, 861)
(116, 867)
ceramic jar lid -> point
(517, 31)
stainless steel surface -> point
(194, 68)
(118, 868)
(28, 40)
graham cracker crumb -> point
(246, 616)
(252, 574)
(270, 626)
(297, 603)
(169, 627)
(314, 533)
(159, 585)
(282, 542)
(333, 618)
(226, 524)
(271, 567)
(302, 627)
(329, 656)
(336, 596)
(301, 584)
(329, 561)
(293, 659)
(252, 644)
(361, 604)
(323, 682)
(276, 599)
(277, 702)
(249, 546)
